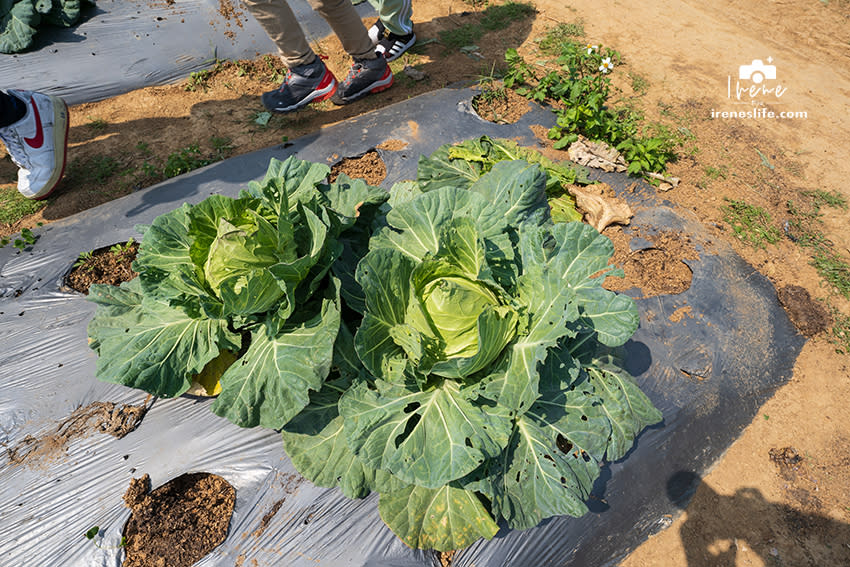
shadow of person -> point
(724, 531)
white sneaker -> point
(38, 143)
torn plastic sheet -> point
(122, 45)
(708, 373)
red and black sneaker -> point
(303, 84)
(366, 76)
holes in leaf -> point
(584, 418)
(563, 481)
(564, 444)
(408, 429)
(549, 458)
(585, 456)
(467, 442)
(412, 407)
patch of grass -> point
(467, 34)
(184, 160)
(557, 37)
(715, 172)
(97, 124)
(640, 85)
(832, 199)
(500, 17)
(840, 335)
(198, 80)
(96, 169)
(804, 228)
(14, 206)
(750, 223)
(832, 268)
(493, 18)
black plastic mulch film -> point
(122, 45)
(708, 373)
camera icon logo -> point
(757, 71)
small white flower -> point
(606, 65)
(591, 48)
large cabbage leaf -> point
(251, 275)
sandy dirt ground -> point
(781, 494)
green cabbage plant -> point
(257, 279)
(482, 383)
(20, 20)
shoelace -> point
(16, 149)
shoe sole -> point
(376, 87)
(60, 146)
(315, 96)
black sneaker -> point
(366, 76)
(393, 46)
(376, 32)
(303, 84)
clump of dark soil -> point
(787, 460)
(97, 417)
(809, 316)
(500, 105)
(657, 264)
(369, 167)
(111, 265)
(178, 523)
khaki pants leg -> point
(278, 20)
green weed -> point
(840, 335)
(97, 124)
(580, 88)
(804, 227)
(558, 37)
(184, 160)
(14, 206)
(119, 249)
(750, 223)
(493, 18)
(83, 259)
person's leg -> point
(278, 20)
(308, 79)
(12, 109)
(395, 15)
(346, 24)
(393, 33)
(37, 141)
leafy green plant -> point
(14, 206)
(482, 381)
(462, 164)
(579, 87)
(122, 248)
(184, 160)
(451, 348)
(750, 223)
(20, 20)
(258, 276)
(92, 533)
(83, 259)
(27, 238)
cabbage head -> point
(485, 386)
(259, 275)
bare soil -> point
(178, 523)
(104, 266)
(680, 63)
(96, 417)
